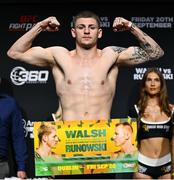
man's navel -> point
(86, 113)
(69, 81)
(102, 82)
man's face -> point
(52, 139)
(152, 84)
(119, 136)
(86, 32)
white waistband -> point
(154, 162)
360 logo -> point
(20, 76)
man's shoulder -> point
(59, 48)
(7, 99)
(108, 51)
(116, 49)
(107, 48)
(112, 50)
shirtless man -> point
(85, 77)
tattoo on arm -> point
(117, 49)
(146, 52)
(154, 52)
(139, 55)
(151, 48)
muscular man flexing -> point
(85, 77)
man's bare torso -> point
(86, 87)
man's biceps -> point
(117, 49)
(124, 56)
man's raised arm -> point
(22, 49)
(148, 50)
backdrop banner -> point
(85, 147)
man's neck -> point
(87, 54)
(46, 151)
(128, 147)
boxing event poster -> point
(83, 147)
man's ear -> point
(73, 33)
(44, 138)
(127, 134)
(100, 33)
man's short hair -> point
(125, 124)
(44, 130)
(86, 14)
